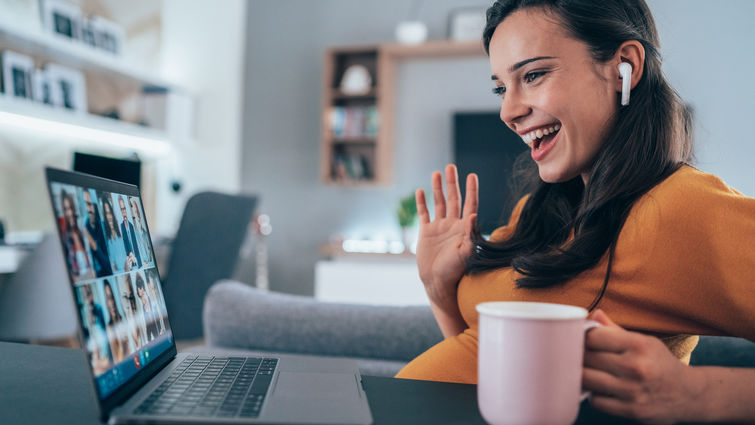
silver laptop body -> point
(124, 327)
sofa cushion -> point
(239, 316)
(723, 351)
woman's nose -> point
(513, 108)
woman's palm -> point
(443, 247)
(444, 243)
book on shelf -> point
(350, 166)
(354, 122)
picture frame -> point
(42, 88)
(466, 24)
(17, 73)
(88, 33)
(62, 18)
(109, 36)
(68, 88)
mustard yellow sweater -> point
(684, 265)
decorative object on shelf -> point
(356, 80)
(466, 24)
(407, 215)
(62, 18)
(411, 32)
(66, 20)
(168, 110)
(42, 87)
(17, 75)
(109, 36)
(68, 87)
(88, 33)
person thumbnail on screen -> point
(79, 264)
(95, 335)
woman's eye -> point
(499, 91)
(532, 76)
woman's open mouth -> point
(541, 140)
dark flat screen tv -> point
(122, 170)
(483, 144)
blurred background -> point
(329, 112)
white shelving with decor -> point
(35, 41)
(130, 107)
(110, 81)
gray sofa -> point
(382, 339)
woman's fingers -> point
(601, 383)
(612, 363)
(452, 206)
(472, 200)
(454, 194)
(611, 339)
(422, 213)
(438, 197)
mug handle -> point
(589, 324)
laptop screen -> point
(111, 265)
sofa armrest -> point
(239, 316)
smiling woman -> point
(613, 215)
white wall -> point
(203, 51)
(708, 57)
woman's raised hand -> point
(445, 242)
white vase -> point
(411, 32)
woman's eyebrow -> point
(518, 65)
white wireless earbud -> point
(625, 70)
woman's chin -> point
(553, 175)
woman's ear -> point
(633, 53)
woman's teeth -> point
(532, 136)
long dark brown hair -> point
(650, 140)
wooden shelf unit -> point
(374, 150)
(351, 152)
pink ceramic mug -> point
(530, 362)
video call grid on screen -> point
(116, 285)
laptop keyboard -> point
(213, 387)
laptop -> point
(124, 326)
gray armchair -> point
(206, 249)
(381, 338)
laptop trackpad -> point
(317, 398)
(316, 385)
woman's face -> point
(109, 217)
(549, 82)
(110, 299)
(142, 293)
(68, 211)
(128, 296)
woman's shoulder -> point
(689, 192)
(689, 199)
(688, 180)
